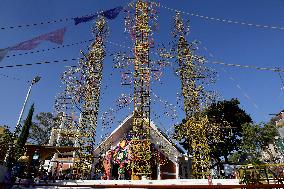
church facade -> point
(113, 155)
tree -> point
(255, 140)
(5, 138)
(268, 133)
(230, 117)
(250, 146)
(21, 141)
(41, 128)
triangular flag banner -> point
(54, 37)
(109, 14)
(3, 53)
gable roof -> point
(158, 138)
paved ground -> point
(171, 183)
(153, 184)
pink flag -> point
(3, 53)
(55, 37)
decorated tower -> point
(140, 144)
(83, 85)
(193, 75)
(91, 68)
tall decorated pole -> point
(196, 129)
(83, 90)
(140, 22)
(140, 144)
(91, 77)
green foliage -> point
(230, 117)
(21, 141)
(251, 142)
(255, 140)
(41, 128)
(5, 139)
(268, 133)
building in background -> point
(113, 155)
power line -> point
(54, 48)
(119, 45)
(170, 9)
(228, 21)
(48, 49)
(246, 66)
(281, 79)
(49, 22)
(54, 61)
(39, 63)
(244, 93)
(219, 62)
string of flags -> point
(48, 49)
(113, 13)
(116, 44)
(57, 36)
(109, 14)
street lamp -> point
(17, 128)
(34, 81)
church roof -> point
(158, 138)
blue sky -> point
(258, 91)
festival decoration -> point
(83, 85)
(47, 49)
(107, 164)
(170, 109)
(140, 33)
(3, 53)
(91, 75)
(108, 116)
(56, 36)
(109, 14)
(196, 128)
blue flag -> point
(109, 14)
(112, 13)
(79, 20)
